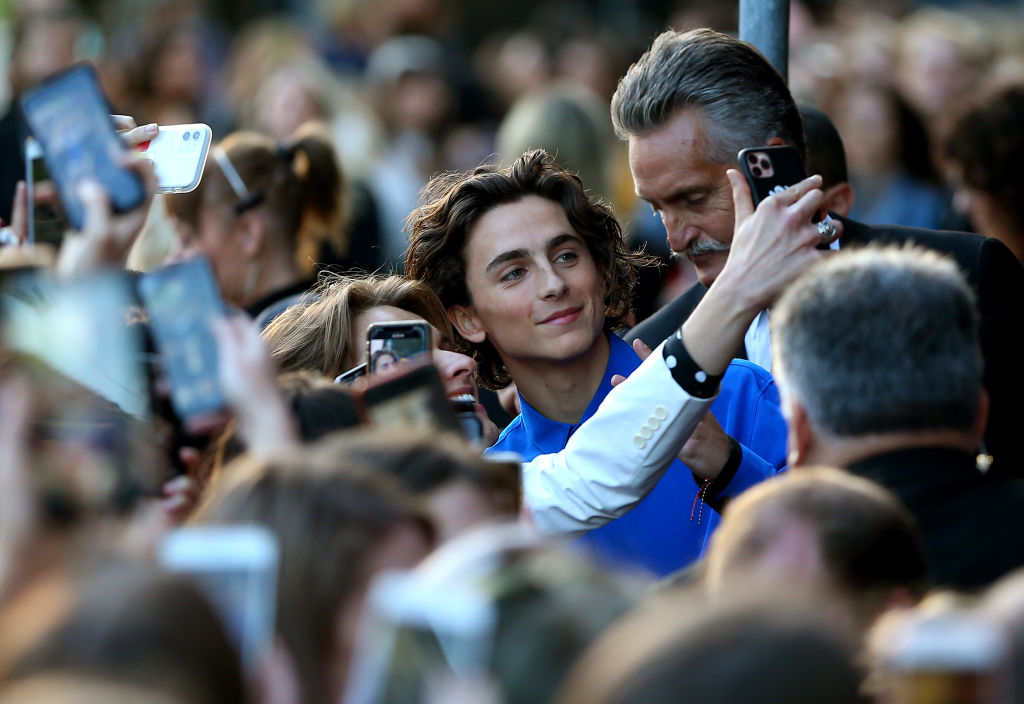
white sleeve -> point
(615, 458)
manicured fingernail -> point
(151, 128)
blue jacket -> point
(659, 534)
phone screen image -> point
(70, 118)
(47, 223)
(182, 300)
(391, 343)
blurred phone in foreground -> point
(178, 153)
(416, 399)
(70, 117)
(182, 301)
(46, 221)
(418, 636)
(951, 657)
(236, 567)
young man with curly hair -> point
(535, 277)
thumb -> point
(641, 349)
(96, 207)
(742, 200)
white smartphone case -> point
(179, 154)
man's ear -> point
(801, 435)
(465, 321)
(252, 235)
(840, 198)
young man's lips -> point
(562, 317)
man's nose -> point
(680, 232)
(453, 365)
(554, 285)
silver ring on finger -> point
(826, 230)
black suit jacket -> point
(998, 282)
(970, 522)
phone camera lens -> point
(195, 135)
(186, 136)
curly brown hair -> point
(452, 205)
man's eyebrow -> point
(559, 240)
(504, 257)
(678, 195)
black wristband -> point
(711, 490)
(693, 380)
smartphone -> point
(949, 657)
(770, 170)
(351, 375)
(416, 632)
(236, 568)
(390, 343)
(414, 399)
(46, 221)
(182, 300)
(178, 153)
(70, 118)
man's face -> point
(691, 193)
(536, 292)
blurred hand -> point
(132, 134)
(106, 237)
(707, 450)
(642, 351)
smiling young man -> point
(535, 276)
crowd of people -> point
(662, 442)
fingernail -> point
(151, 128)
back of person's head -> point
(985, 148)
(566, 121)
(742, 99)
(880, 340)
(820, 529)
(336, 525)
(133, 625)
(461, 488)
(295, 186)
(679, 649)
(825, 153)
(320, 334)
(454, 203)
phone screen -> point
(70, 117)
(47, 223)
(391, 343)
(182, 300)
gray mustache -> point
(705, 247)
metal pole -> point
(765, 24)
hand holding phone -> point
(178, 153)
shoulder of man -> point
(668, 318)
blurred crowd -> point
(852, 536)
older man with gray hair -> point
(686, 107)
(880, 370)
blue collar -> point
(550, 436)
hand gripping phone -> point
(770, 170)
(178, 153)
(70, 118)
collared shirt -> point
(659, 534)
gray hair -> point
(880, 340)
(744, 100)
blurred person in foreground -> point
(821, 531)
(681, 649)
(983, 152)
(686, 108)
(893, 393)
(535, 277)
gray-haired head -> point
(880, 340)
(744, 100)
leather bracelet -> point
(687, 373)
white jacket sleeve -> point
(614, 459)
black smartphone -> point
(70, 117)
(391, 343)
(182, 300)
(770, 170)
(414, 400)
(46, 221)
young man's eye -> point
(565, 257)
(513, 275)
